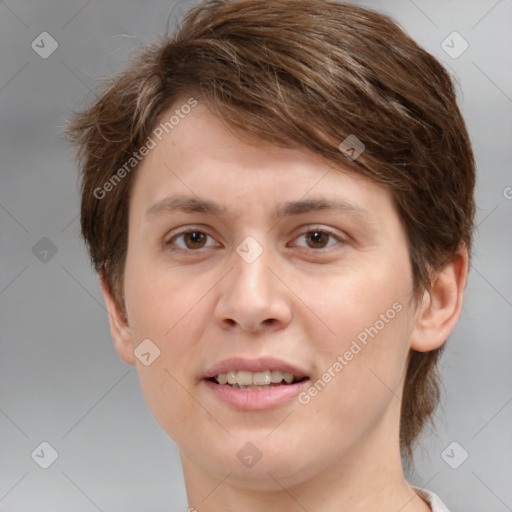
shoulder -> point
(432, 499)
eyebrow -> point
(189, 204)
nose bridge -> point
(252, 296)
(251, 279)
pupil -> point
(196, 237)
(317, 236)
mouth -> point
(256, 381)
(255, 384)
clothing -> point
(432, 499)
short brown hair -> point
(298, 73)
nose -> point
(254, 297)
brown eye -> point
(193, 239)
(196, 239)
(319, 238)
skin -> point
(303, 300)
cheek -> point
(164, 307)
(355, 299)
(370, 319)
(160, 301)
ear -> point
(119, 328)
(441, 306)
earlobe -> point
(119, 328)
(441, 305)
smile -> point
(256, 380)
(257, 384)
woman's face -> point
(268, 282)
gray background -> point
(61, 380)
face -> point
(268, 262)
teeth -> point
(236, 386)
(222, 378)
(276, 376)
(257, 380)
(288, 378)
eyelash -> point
(312, 229)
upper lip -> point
(254, 365)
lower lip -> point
(256, 399)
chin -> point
(260, 463)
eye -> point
(193, 239)
(317, 238)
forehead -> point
(201, 165)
